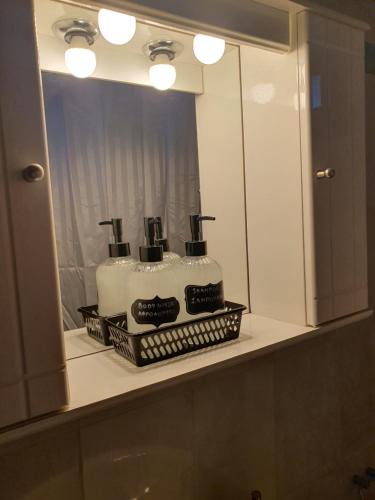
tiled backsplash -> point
(43, 467)
(295, 425)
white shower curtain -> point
(115, 150)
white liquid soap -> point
(152, 287)
(113, 273)
(168, 255)
(200, 277)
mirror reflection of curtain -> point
(116, 150)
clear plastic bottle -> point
(152, 287)
(168, 256)
(113, 273)
(200, 277)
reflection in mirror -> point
(116, 150)
(119, 148)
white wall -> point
(273, 184)
(220, 148)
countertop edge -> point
(68, 415)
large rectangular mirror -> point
(119, 148)
(116, 151)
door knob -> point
(328, 173)
(33, 173)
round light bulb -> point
(208, 49)
(162, 74)
(79, 58)
(116, 27)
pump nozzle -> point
(116, 228)
(118, 248)
(160, 240)
(196, 226)
(197, 246)
(152, 251)
(151, 231)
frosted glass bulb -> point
(162, 74)
(79, 59)
(116, 27)
(208, 49)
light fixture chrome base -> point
(65, 29)
(168, 47)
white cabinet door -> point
(32, 374)
(331, 79)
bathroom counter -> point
(99, 378)
(106, 377)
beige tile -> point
(371, 334)
(143, 453)
(338, 484)
(233, 433)
(297, 494)
(370, 177)
(333, 486)
(323, 413)
(354, 365)
(306, 414)
(356, 463)
(42, 467)
(48, 392)
(260, 426)
(370, 461)
(13, 406)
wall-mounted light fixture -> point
(116, 27)
(79, 34)
(208, 49)
(162, 73)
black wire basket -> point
(176, 339)
(97, 326)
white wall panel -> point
(13, 394)
(331, 72)
(29, 209)
(220, 150)
(273, 184)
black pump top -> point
(159, 235)
(197, 246)
(118, 248)
(152, 251)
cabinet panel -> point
(337, 114)
(220, 145)
(359, 178)
(273, 184)
(12, 387)
(321, 192)
(331, 75)
(29, 206)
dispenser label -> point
(155, 311)
(201, 299)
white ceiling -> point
(49, 11)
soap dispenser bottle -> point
(112, 274)
(152, 288)
(200, 276)
(168, 256)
